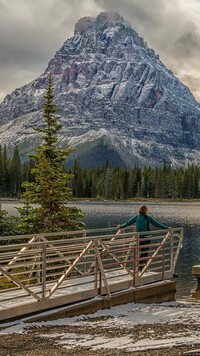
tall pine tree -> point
(15, 174)
(50, 187)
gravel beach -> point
(131, 329)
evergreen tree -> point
(15, 174)
(107, 183)
(196, 182)
(159, 183)
(180, 172)
(137, 179)
(6, 176)
(125, 183)
(119, 194)
(88, 183)
(96, 184)
(77, 181)
(50, 187)
(7, 223)
(146, 183)
(26, 171)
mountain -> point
(117, 101)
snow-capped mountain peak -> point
(115, 96)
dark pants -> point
(144, 240)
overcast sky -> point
(31, 31)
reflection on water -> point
(108, 214)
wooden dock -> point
(46, 271)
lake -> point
(179, 214)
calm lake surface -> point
(186, 215)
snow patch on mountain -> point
(112, 91)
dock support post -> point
(196, 272)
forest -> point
(106, 182)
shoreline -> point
(131, 200)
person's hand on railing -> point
(119, 227)
(170, 229)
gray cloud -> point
(188, 44)
(32, 30)
(192, 82)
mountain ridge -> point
(109, 85)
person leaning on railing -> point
(142, 221)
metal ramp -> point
(39, 272)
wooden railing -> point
(81, 264)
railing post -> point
(85, 263)
(84, 233)
(171, 251)
(135, 268)
(95, 267)
(44, 265)
(100, 277)
(137, 254)
(163, 262)
(181, 234)
(39, 266)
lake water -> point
(186, 215)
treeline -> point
(13, 173)
(116, 183)
(107, 182)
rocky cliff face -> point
(116, 98)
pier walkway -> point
(45, 271)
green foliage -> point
(5, 173)
(7, 223)
(160, 182)
(15, 174)
(27, 223)
(50, 188)
(106, 182)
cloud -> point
(192, 82)
(31, 31)
(187, 46)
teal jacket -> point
(142, 223)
